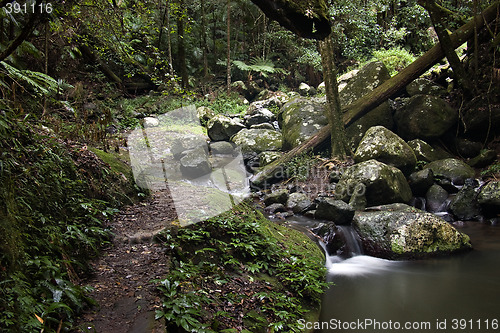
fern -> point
(260, 65)
(41, 83)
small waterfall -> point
(352, 241)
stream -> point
(459, 293)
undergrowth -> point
(240, 270)
(54, 198)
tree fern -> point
(260, 65)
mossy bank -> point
(239, 272)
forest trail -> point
(121, 280)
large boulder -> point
(364, 81)
(451, 169)
(195, 163)
(424, 117)
(424, 151)
(406, 232)
(188, 142)
(381, 183)
(424, 86)
(421, 181)
(383, 145)
(258, 140)
(436, 198)
(301, 118)
(222, 128)
(298, 202)
(465, 205)
(279, 196)
(334, 210)
(490, 195)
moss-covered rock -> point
(383, 145)
(425, 117)
(465, 205)
(364, 81)
(258, 140)
(268, 157)
(424, 151)
(451, 169)
(490, 194)
(334, 210)
(301, 118)
(424, 86)
(379, 182)
(407, 233)
(222, 128)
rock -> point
(479, 118)
(222, 128)
(275, 208)
(195, 163)
(451, 169)
(490, 194)
(298, 202)
(279, 196)
(381, 144)
(188, 142)
(330, 235)
(334, 210)
(425, 117)
(222, 148)
(467, 148)
(421, 181)
(358, 202)
(465, 205)
(423, 86)
(485, 158)
(407, 233)
(301, 119)
(256, 119)
(379, 182)
(321, 88)
(359, 84)
(305, 89)
(276, 101)
(436, 198)
(267, 126)
(344, 79)
(151, 122)
(267, 157)
(424, 151)
(258, 140)
(205, 114)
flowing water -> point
(459, 293)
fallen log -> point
(380, 94)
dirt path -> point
(121, 281)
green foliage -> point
(299, 167)
(394, 59)
(224, 103)
(492, 170)
(259, 65)
(52, 210)
(284, 274)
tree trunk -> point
(181, 48)
(204, 39)
(438, 21)
(333, 109)
(169, 39)
(228, 33)
(368, 102)
(86, 51)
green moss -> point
(282, 273)
(114, 160)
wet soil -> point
(121, 280)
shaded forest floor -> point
(126, 298)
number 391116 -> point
(27, 8)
